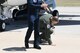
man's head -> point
(55, 17)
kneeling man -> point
(47, 23)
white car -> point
(8, 8)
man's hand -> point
(44, 5)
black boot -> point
(37, 47)
(26, 45)
(49, 42)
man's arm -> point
(51, 3)
(42, 5)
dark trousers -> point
(33, 24)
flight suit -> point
(45, 28)
(33, 21)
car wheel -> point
(14, 14)
(2, 25)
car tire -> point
(2, 25)
(14, 14)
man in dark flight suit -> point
(33, 21)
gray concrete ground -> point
(66, 36)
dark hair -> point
(55, 13)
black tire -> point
(14, 13)
(2, 25)
(21, 15)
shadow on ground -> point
(23, 24)
(69, 22)
(15, 49)
(13, 25)
(69, 15)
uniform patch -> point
(35, 1)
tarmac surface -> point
(66, 36)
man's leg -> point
(29, 31)
(36, 34)
(48, 36)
